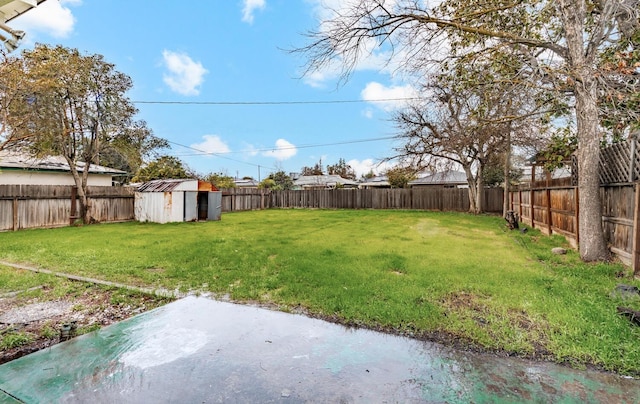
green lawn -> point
(416, 273)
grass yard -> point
(456, 278)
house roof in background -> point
(322, 180)
(249, 183)
(18, 161)
(379, 181)
(442, 178)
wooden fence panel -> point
(563, 212)
(419, 198)
(618, 204)
(33, 206)
(34, 213)
(554, 210)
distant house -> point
(20, 169)
(323, 182)
(246, 183)
(380, 181)
(444, 179)
(177, 200)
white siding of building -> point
(26, 177)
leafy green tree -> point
(127, 150)
(342, 169)
(164, 167)
(71, 105)
(267, 183)
(368, 175)
(558, 151)
(494, 172)
(315, 170)
(220, 180)
(281, 181)
(399, 177)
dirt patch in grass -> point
(33, 320)
(500, 325)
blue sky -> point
(227, 51)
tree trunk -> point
(507, 172)
(592, 243)
(471, 182)
(81, 185)
(480, 189)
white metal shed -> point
(177, 200)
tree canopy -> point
(164, 167)
(220, 180)
(57, 101)
(278, 180)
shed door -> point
(215, 205)
(190, 206)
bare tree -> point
(561, 41)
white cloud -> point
(250, 6)
(377, 91)
(367, 113)
(211, 145)
(51, 18)
(284, 150)
(250, 150)
(362, 167)
(184, 76)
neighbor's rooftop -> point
(19, 161)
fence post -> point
(15, 214)
(635, 253)
(549, 210)
(532, 207)
(520, 203)
(74, 212)
(577, 215)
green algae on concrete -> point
(200, 350)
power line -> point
(376, 139)
(202, 152)
(271, 102)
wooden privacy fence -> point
(555, 210)
(443, 199)
(552, 205)
(33, 206)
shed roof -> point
(176, 184)
(165, 185)
(19, 161)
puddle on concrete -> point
(200, 350)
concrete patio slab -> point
(198, 350)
